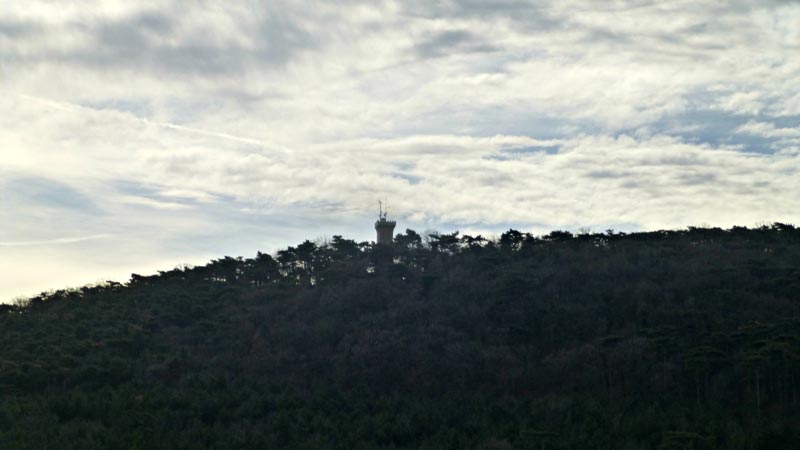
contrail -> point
(68, 106)
(219, 135)
(69, 240)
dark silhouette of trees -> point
(654, 340)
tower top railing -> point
(383, 222)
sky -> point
(138, 136)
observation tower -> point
(384, 228)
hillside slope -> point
(659, 340)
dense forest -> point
(682, 339)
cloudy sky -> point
(138, 135)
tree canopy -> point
(655, 340)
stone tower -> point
(384, 228)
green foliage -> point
(661, 340)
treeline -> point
(661, 340)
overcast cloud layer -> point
(139, 135)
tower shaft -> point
(385, 230)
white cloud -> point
(767, 130)
(163, 121)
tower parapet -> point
(384, 228)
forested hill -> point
(657, 340)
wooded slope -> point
(658, 340)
